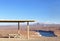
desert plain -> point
(33, 35)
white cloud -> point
(49, 22)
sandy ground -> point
(33, 36)
(40, 39)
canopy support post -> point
(18, 28)
(28, 30)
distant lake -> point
(46, 33)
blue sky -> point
(47, 11)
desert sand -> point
(33, 36)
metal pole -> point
(28, 30)
(18, 27)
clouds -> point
(51, 22)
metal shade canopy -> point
(19, 21)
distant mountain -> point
(46, 25)
(39, 26)
(36, 26)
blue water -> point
(46, 33)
